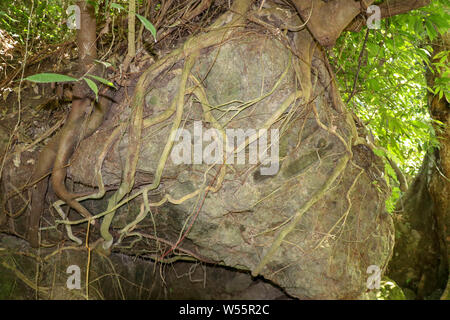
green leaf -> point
(92, 3)
(11, 19)
(93, 86)
(441, 54)
(102, 80)
(148, 25)
(440, 21)
(418, 28)
(117, 6)
(49, 78)
(432, 34)
(379, 152)
(420, 125)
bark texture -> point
(420, 262)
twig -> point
(361, 55)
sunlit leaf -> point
(93, 86)
(102, 80)
(148, 25)
(117, 6)
(431, 31)
(49, 78)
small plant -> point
(147, 24)
(55, 77)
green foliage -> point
(147, 24)
(49, 17)
(391, 92)
(93, 86)
(54, 77)
(441, 84)
(117, 6)
(47, 20)
(102, 80)
(49, 78)
(389, 290)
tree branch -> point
(389, 8)
(403, 183)
(361, 55)
(395, 7)
(328, 19)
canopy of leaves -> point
(47, 23)
(382, 75)
(390, 91)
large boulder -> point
(321, 252)
(309, 217)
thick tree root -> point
(134, 145)
(70, 137)
(189, 50)
(340, 167)
(44, 166)
(43, 169)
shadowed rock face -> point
(246, 81)
(119, 277)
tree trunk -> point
(420, 261)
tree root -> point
(44, 166)
(340, 167)
(70, 137)
(190, 50)
(133, 147)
